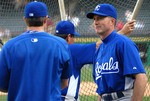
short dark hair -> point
(35, 21)
(64, 36)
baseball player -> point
(81, 55)
(36, 65)
(117, 67)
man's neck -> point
(39, 29)
(104, 35)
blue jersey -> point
(81, 55)
(32, 65)
(115, 61)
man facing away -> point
(117, 67)
(35, 66)
(81, 55)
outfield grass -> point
(3, 97)
(147, 69)
(87, 98)
(86, 73)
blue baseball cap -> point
(36, 9)
(104, 10)
(65, 27)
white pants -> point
(70, 98)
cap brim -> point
(77, 34)
(91, 14)
(49, 17)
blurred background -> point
(12, 24)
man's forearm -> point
(139, 87)
(99, 98)
(64, 83)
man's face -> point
(102, 24)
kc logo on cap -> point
(97, 7)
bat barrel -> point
(136, 9)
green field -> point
(147, 69)
(3, 97)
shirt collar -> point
(109, 37)
(30, 32)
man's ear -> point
(45, 20)
(113, 21)
(68, 38)
(25, 20)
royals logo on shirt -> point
(106, 68)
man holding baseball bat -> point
(117, 67)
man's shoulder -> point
(12, 41)
(58, 39)
(54, 38)
(123, 38)
(61, 42)
(50, 37)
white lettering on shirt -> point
(106, 68)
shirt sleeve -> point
(94, 63)
(84, 53)
(4, 72)
(66, 62)
(131, 60)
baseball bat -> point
(62, 9)
(136, 9)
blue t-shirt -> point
(81, 55)
(116, 59)
(32, 65)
